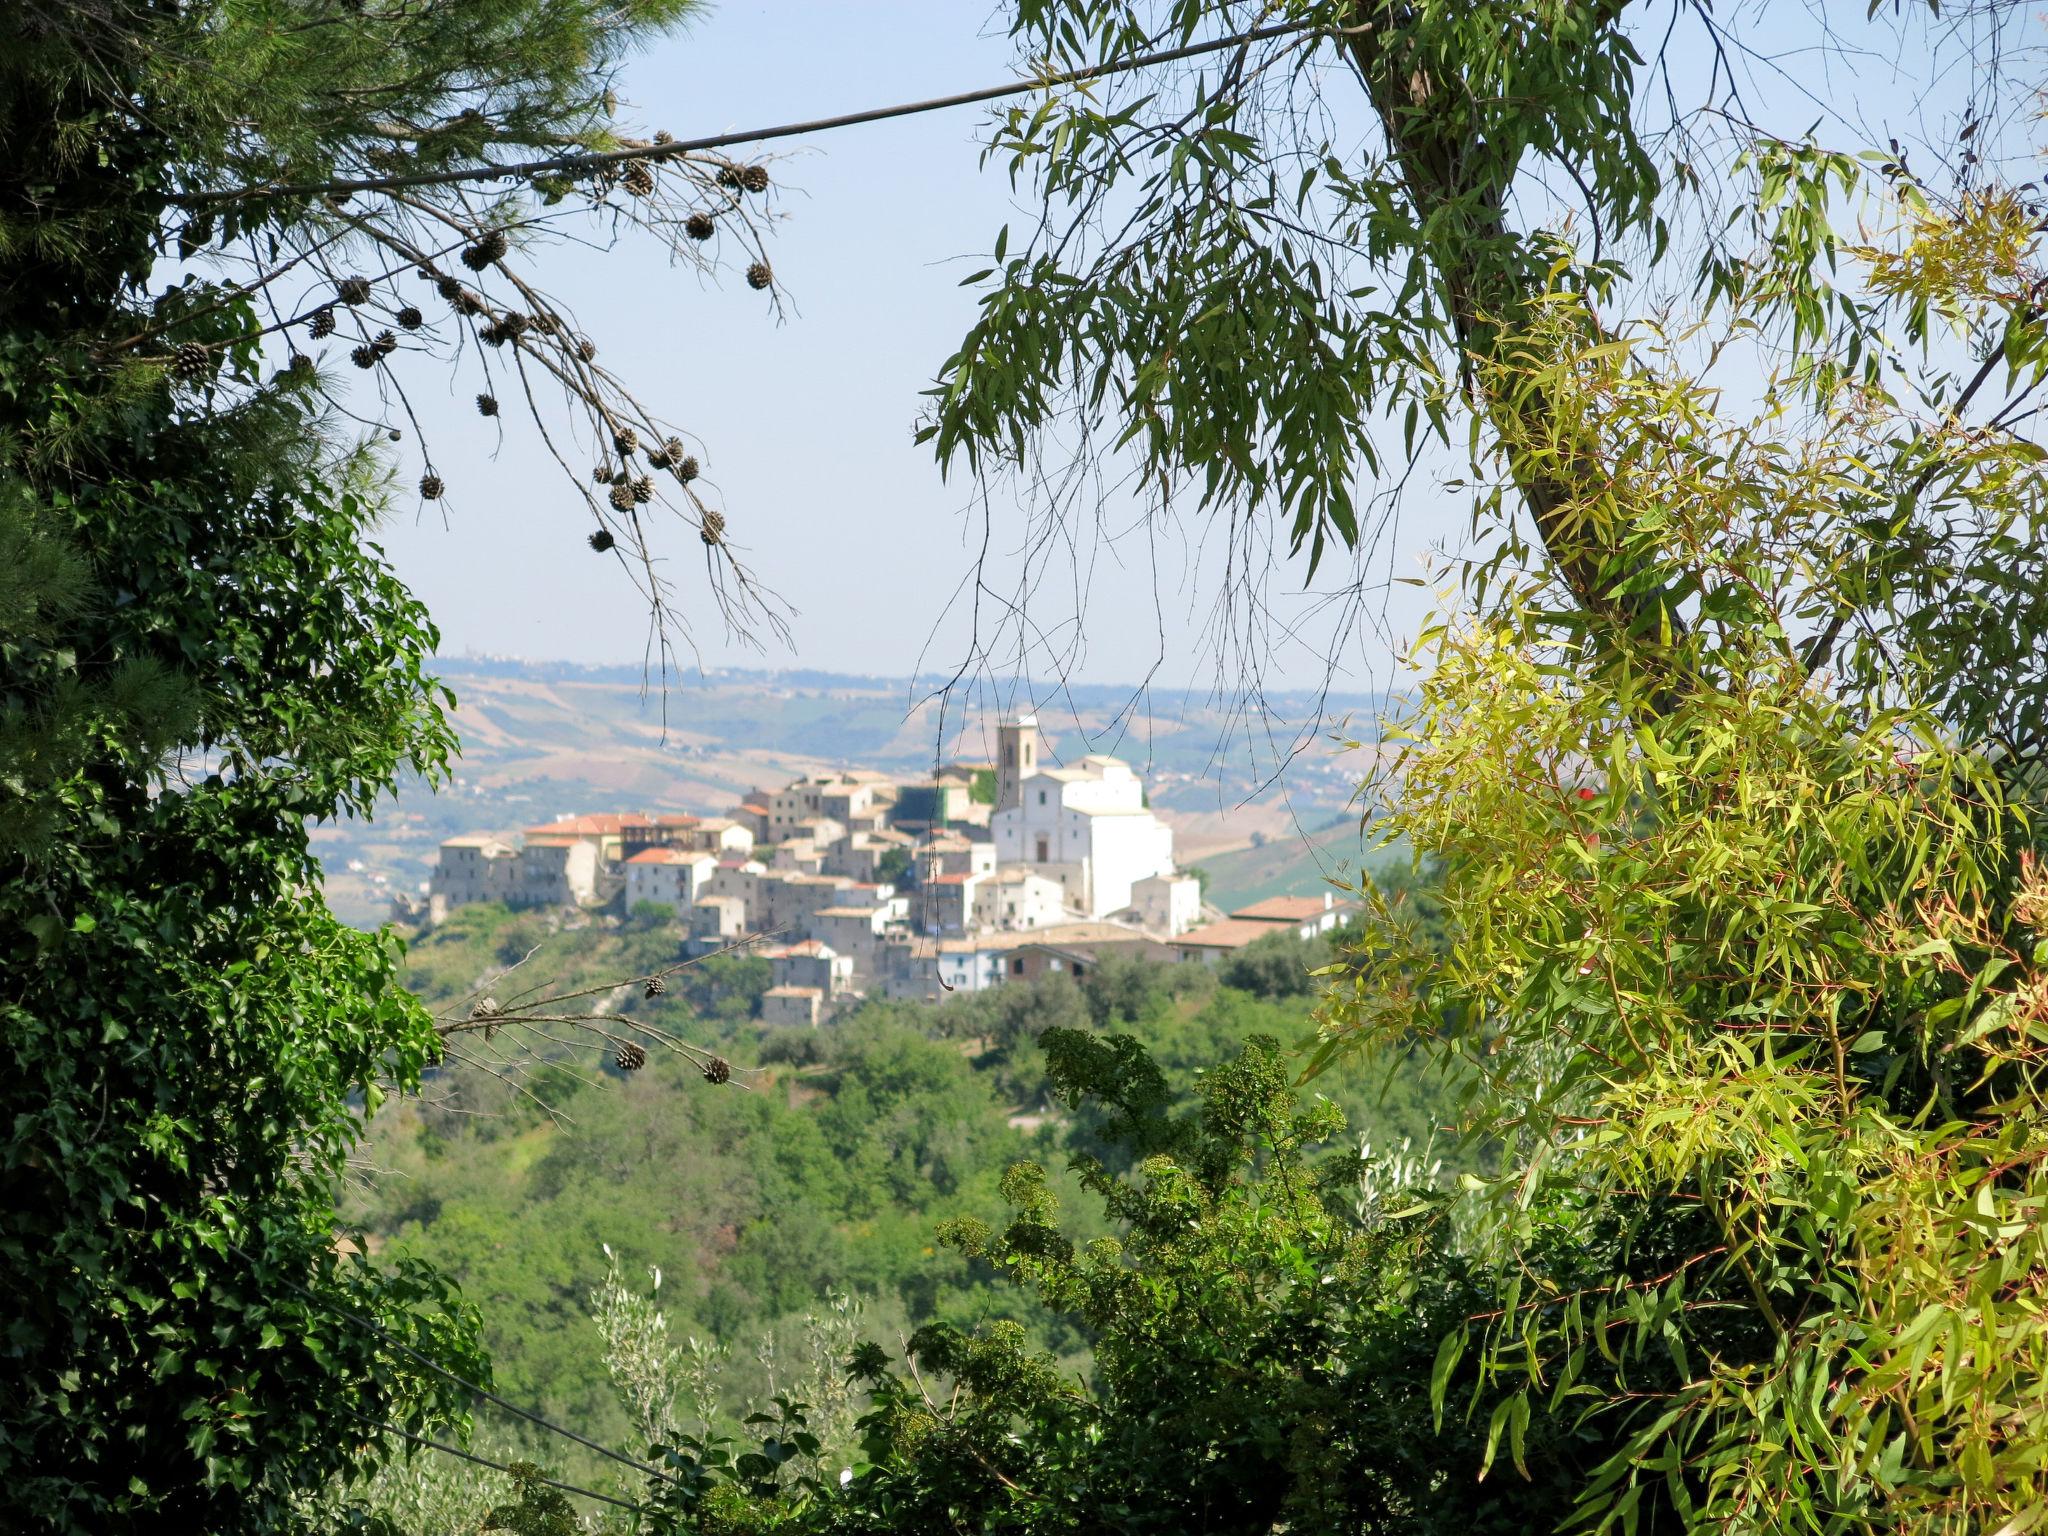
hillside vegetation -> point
(820, 1171)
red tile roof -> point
(600, 825)
(1284, 909)
(664, 856)
(1230, 933)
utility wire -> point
(488, 1396)
(485, 1461)
(595, 161)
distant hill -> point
(1301, 863)
(542, 740)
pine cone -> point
(449, 289)
(663, 136)
(655, 987)
(471, 303)
(718, 1071)
(485, 1008)
(353, 290)
(195, 236)
(300, 369)
(638, 178)
(712, 529)
(754, 178)
(385, 343)
(431, 487)
(622, 496)
(364, 357)
(602, 540)
(321, 326)
(492, 247)
(729, 177)
(625, 439)
(496, 334)
(630, 1057)
(602, 474)
(687, 470)
(643, 489)
(487, 405)
(665, 455)
(760, 275)
(586, 349)
(190, 362)
(698, 226)
(411, 318)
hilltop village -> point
(853, 883)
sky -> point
(805, 425)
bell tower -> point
(1017, 746)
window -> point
(1017, 966)
(1041, 797)
(1044, 851)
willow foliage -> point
(1760, 936)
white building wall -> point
(1168, 904)
(1127, 849)
(1092, 834)
(671, 884)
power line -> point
(487, 1395)
(485, 1461)
(596, 161)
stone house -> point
(1217, 941)
(792, 1006)
(855, 932)
(1015, 897)
(1166, 904)
(717, 922)
(668, 877)
(472, 868)
(812, 963)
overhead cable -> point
(483, 1392)
(524, 169)
(485, 1461)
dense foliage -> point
(826, 1172)
(1728, 771)
(201, 649)
(1730, 753)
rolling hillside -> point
(544, 740)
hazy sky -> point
(806, 426)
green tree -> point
(201, 650)
(893, 866)
(1731, 764)
(1264, 1327)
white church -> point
(1086, 826)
